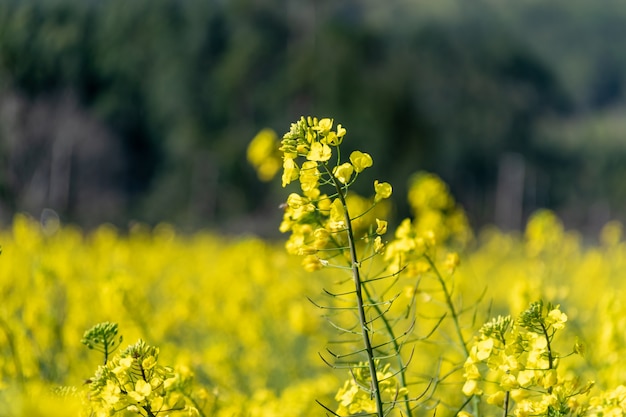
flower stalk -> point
(356, 276)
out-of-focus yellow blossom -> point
(163, 286)
(435, 210)
(526, 377)
(379, 246)
(451, 262)
(381, 227)
(300, 237)
(264, 155)
(508, 382)
(428, 191)
(544, 232)
(483, 349)
(322, 238)
(123, 365)
(471, 370)
(148, 363)
(364, 213)
(556, 319)
(497, 398)
(610, 403)
(471, 388)
(611, 233)
(323, 205)
(312, 263)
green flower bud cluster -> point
(103, 338)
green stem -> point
(356, 276)
(195, 404)
(106, 350)
(507, 398)
(148, 410)
(396, 347)
(549, 348)
(14, 351)
(507, 395)
(453, 312)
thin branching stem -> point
(356, 276)
(14, 351)
(394, 341)
(549, 349)
(450, 303)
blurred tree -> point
(167, 94)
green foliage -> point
(180, 86)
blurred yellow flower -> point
(263, 154)
(381, 227)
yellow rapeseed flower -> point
(381, 227)
(325, 125)
(383, 190)
(360, 160)
(343, 172)
(290, 171)
(319, 152)
(141, 391)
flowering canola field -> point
(234, 313)
(155, 323)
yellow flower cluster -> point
(318, 221)
(230, 311)
(435, 211)
(608, 404)
(514, 365)
(336, 228)
(437, 222)
(135, 382)
(354, 398)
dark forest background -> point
(118, 110)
